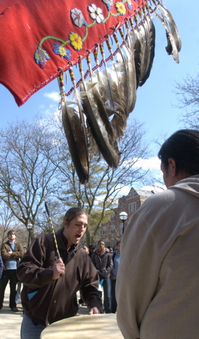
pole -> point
(52, 229)
(29, 238)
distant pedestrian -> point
(91, 248)
(103, 263)
(11, 251)
(116, 262)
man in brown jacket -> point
(50, 284)
(11, 251)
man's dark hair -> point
(73, 213)
(183, 147)
(10, 232)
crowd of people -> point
(151, 281)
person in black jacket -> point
(11, 251)
(103, 262)
(50, 283)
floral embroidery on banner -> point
(41, 57)
(108, 3)
(77, 17)
(96, 13)
(120, 8)
(75, 41)
(63, 52)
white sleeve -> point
(137, 275)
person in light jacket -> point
(157, 286)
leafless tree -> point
(188, 97)
(26, 169)
(100, 193)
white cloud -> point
(55, 96)
(151, 163)
(124, 191)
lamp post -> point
(123, 217)
(29, 228)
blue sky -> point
(155, 100)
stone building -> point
(112, 230)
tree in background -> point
(100, 194)
(188, 97)
(36, 166)
(26, 171)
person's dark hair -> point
(183, 147)
(10, 232)
(73, 213)
(99, 241)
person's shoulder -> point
(159, 199)
(5, 243)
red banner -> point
(39, 36)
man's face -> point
(11, 236)
(75, 229)
(101, 246)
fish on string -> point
(74, 128)
(173, 39)
(98, 121)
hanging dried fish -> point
(118, 122)
(150, 49)
(173, 41)
(144, 37)
(132, 85)
(98, 122)
(75, 134)
(76, 141)
(172, 26)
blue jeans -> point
(107, 294)
(29, 330)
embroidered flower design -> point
(129, 4)
(77, 17)
(108, 3)
(41, 57)
(96, 13)
(75, 41)
(63, 52)
(120, 8)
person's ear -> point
(65, 224)
(172, 166)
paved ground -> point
(10, 322)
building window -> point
(112, 217)
(103, 230)
(132, 194)
(130, 208)
(134, 206)
(113, 229)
